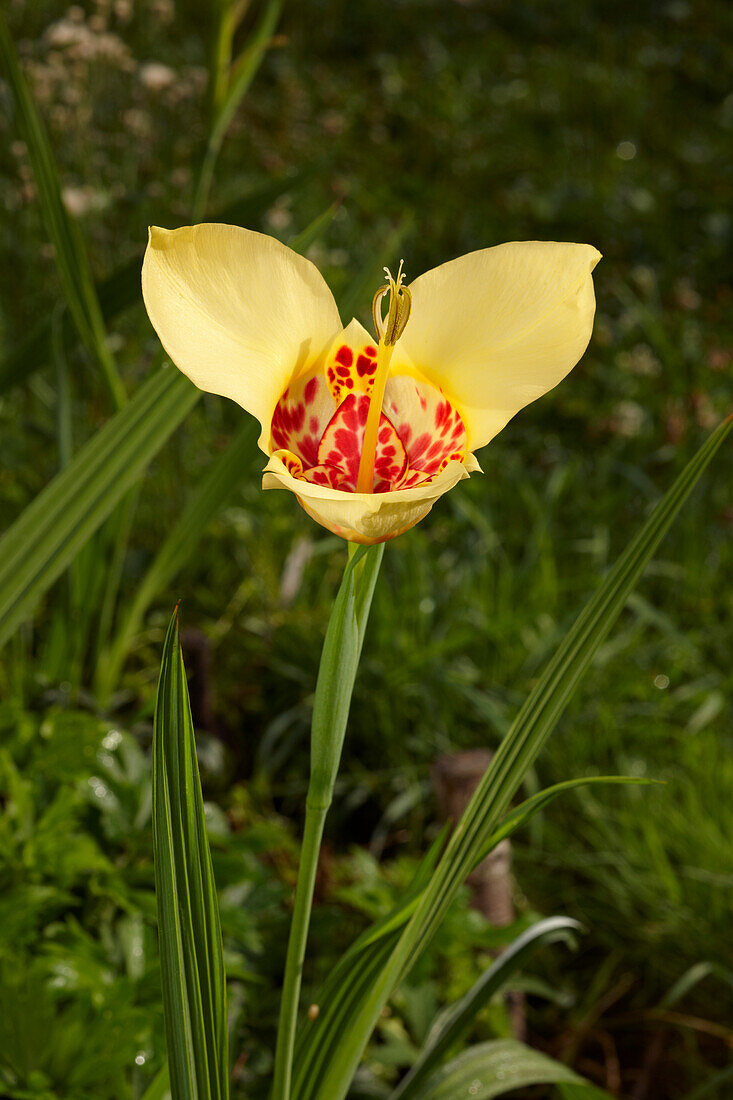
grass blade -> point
(361, 290)
(692, 977)
(45, 538)
(709, 1088)
(308, 236)
(70, 254)
(518, 750)
(191, 954)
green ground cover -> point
(435, 128)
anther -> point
(390, 329)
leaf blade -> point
(192, 961)
(454, 1024)
(495, 1068)
(44, 539)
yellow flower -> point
(459, 352)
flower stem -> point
(336, 675)
(315, 817)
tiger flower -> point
(369, 432)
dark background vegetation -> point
(437, 128)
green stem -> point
(336, 676)
(315, 818)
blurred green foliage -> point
(466, 124)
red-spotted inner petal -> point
(301, 416)
(342, 442)
(429, 426)
(350, 370)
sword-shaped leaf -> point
(191, 955)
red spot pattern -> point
(300, 418)
(351, 370)
(428, 424)
(342, 441)
(319, 422)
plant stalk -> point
(315, 818)
(336, 676)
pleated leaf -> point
(351, 977)
(517, 752)
(191, 956)
(53, 528)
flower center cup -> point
(319, 425)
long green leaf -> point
(518, 750)
(493, 1069)
(207, 498)
(45, 538)
(339, 663)
(70, 254)
(525, 811)
(361, 960)
(454, 1024)
(191, 954)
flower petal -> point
(366, 517)
(302, 414)
(351, 363)
(426, 422)
(237, 311)
(498, 328)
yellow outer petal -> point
(498, 328)
(367, 517)
(237, 311)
